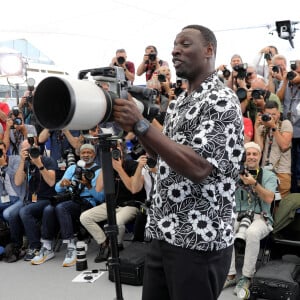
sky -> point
(78, 35)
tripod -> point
(111, 228)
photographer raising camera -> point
(275, 137)
(254, 220)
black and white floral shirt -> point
(193, 215)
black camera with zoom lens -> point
(241, 70)
(80, 172)
(151, 162)
(116, 154)
(152, 56)
(257, 93)
(275, 69)
(161, 77)
(266, 117)
(291, 75)
(226, 73)
(120, 60)
(268, 56)
(34, 152)
(241, 93)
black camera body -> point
(241, 70)
(152, 56)
(120, 88)
(257, 93)
(266, 117)
(249, 214)
(80, 172)
(291, 75)
(226, 73)
(34, 152)
(121, 60)
(276, 69)
(161, 77)
(268, 56)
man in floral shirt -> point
(192, 213)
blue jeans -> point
(15, 223)
(68, 214)
(31, 214)
(5, 206)
(49, 223)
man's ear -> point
(209, 50)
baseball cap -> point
(252, 145)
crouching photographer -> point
(254, 221)
(76, 193)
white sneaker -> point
(43, 255)
(70, 258)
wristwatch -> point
(41, 168)
(274, 129)
(141, 127)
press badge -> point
(5, 198)
(34, 197)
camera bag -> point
(276, 280)
(132, 262)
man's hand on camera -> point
(86, 182)
(117, 164)
(36, 161)
(126, 113)
(248, 179)
(65, 183)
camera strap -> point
(271, 137)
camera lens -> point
(120, 60)
(151, 162)
(275, 69)
(17, 121)
(290, 75)
(116, 154)
(226, 73)
(241, 93)
(152, 56)
(266, 117)
(34, 152)
(257, 93)
(161, 77)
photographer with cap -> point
(126, 208)
(76, 193)
(120, 60)
(254, 221)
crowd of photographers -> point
(269, 94)
(52, 181)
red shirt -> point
(4, 108)
(248, 128)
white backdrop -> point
(85, 34)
